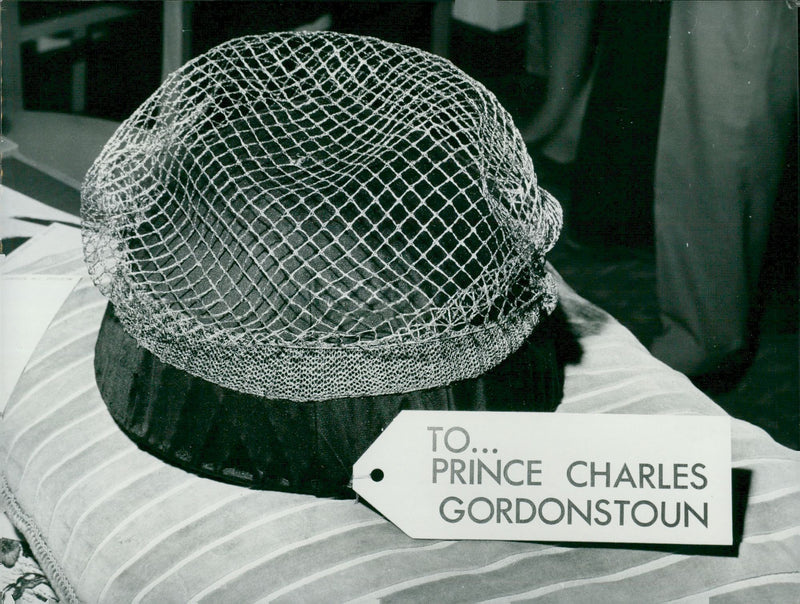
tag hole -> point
(376, 475)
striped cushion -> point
(110, 523)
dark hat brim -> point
(304, 447)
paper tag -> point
(552, 477)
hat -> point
(302, 233)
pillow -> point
(111, 523)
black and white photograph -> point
(399, 301)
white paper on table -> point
(14, 204)
(11, 227)
(28, 304)
(52, 240)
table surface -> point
(598, 384)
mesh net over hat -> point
(314, 215)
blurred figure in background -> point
(566, 29)
(612, 185)
(730, 101)
(620, 48)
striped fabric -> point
(110, 523)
